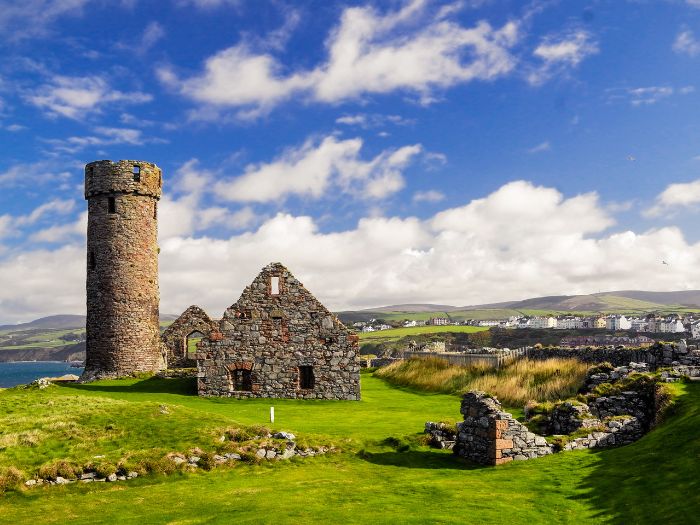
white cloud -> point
(368, 52)
(373, 120)
(208, 4)
(31, 174)
(428, 196)
(520, 241)
(184, 215)
(26, 18)
(648, 95)
(675, 197)
(11, 225)
(561, 52)
(152, 34)
(541, 147)
(13, 128)
(75, 97)
(686, 43)
(103, 137)
(313, 168)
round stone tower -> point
(123, 334)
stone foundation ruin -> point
(621, 405)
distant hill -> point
(62, 322)
(617, 301)
(417, 307)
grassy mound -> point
(513, 384)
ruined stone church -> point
(277, 340)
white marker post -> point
(272, 414)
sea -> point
(23, 372)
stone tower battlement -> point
(125, 176)
(123, 333)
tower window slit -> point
(112, 205)
(155, 210)
(91, 261)
(137, 173)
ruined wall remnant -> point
(656, 356)
(123, 334)
(174, 338)
(490, 436)
(278, 340)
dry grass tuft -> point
(514, 384)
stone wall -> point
(174, 338)
(617, 413)
(123, 333)
(284, 344)
(656, 356)
(490, 436)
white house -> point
(617, 322)
(409, 324)
(695, 330)
(543, 322)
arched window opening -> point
(191, 344)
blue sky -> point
(455, 152)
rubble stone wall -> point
(174, 338)
(266, 338)
(123, 332)
(656, 356)
(490, 436)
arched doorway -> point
(190, 345)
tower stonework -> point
(123, 334)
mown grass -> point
(395, 334)
(513, 384)
(377, 481)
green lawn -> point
(652, 481)
(397, 333)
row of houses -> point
(651, 323)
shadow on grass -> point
(656, 479)
(421, 459)
(153, 385)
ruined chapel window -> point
(111, 205)
(241, 380)
(274, 285)
(137, 173)
(306, 377)
(191, 344)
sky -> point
(417, 151)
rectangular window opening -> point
(91, 261)
(306, 377)
(241, 380)
(112, 205)
(137, 173)
(274, 285)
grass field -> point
(397, 333)
(373, 481)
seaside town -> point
(650, 323)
